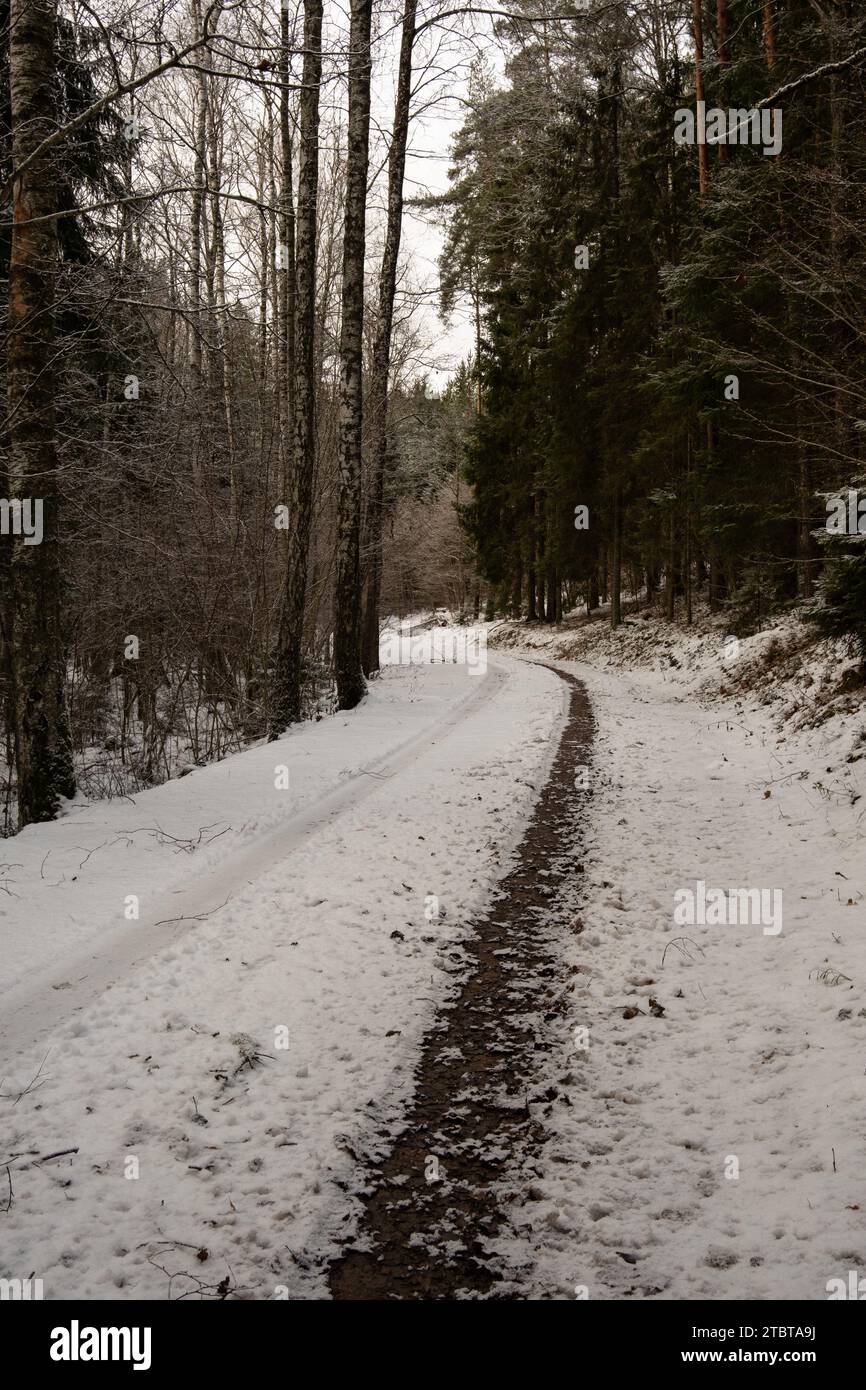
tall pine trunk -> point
(616, 560)
(382, 344)
(43, 750)
(347, 589)
(722, 27)
(286, 707)
(698, 40)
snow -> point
(704, 1137)
(716, 1151)
(206, 1150)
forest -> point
(192, 380)
(216, 398)
(432, 669)
(672, 338)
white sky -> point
(440, 113)
(423, 242)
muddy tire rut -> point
(431, 1206)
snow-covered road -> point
(191, 845)
(709, 1079)
(217, 1091)
(227, 1080)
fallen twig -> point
(194, 916)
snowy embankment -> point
(709, 1144)
(218, 1066)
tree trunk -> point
(195, 255)
(804, 521)
(552, 586)
(592, 595)
(221, 327)
(517, 589)
(722, 55)
(698, 39)
(286, 708)
(347, 588)
(382, 343)
(43, 751)
(670, 590)
(687, 540)
(616, 562)
(287, 275)
(768, 35)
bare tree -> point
(33, 629)
(382, 342)
(286, 706)
(347, 591)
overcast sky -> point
(428, 160)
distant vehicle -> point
(442, 617)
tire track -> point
(426, 1237)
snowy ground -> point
(206, 1149)
(715, 1151)
(703, 1092)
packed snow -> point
(221, 1076)
(217, 1074)
(711, 1144)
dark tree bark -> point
(288, 656)
(347, 589)
(805, 542)
(517, 589)
(43, 751)
(532, 582)
(531, 592)
(382, 343)
(768, 35)
(722, 31)
(671, 576)
(195, 255)
(698, 39)
(722, 27)
(552, 584)
(287, 292)
(592, 595)
(616, 561)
